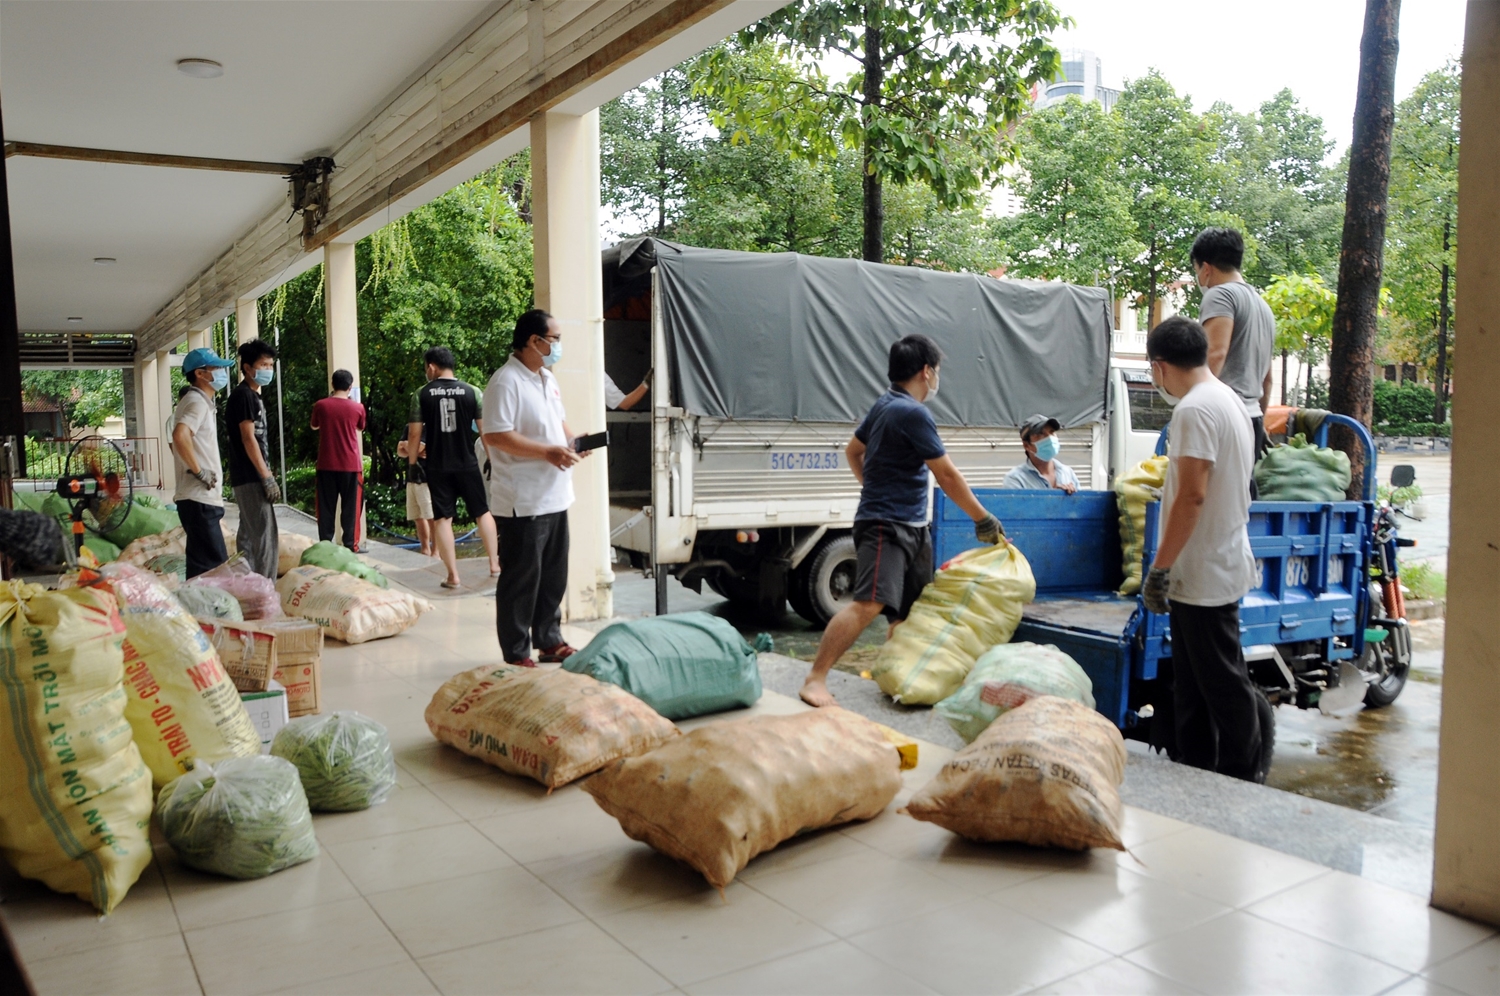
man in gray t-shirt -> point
(1241, 329)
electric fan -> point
(97, 487)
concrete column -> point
(1466, 874)
(341, 310)
(341, 332)
(565, 234)
(199, 338)
(147, 401)
(166, 400)
(246, 320)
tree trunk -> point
(1283, 377)
(661, 166)
(1353, 351)
(1440, 411)
(873, 249)
(1151, 292)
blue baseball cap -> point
(203, 357)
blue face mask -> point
(219, 378)
(1047, 447)
(551, 358)
(265, 376)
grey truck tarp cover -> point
(782, 336)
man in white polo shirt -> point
(531, 487)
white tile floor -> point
(470, 881)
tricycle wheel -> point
(1267, 713)
(1390, 662)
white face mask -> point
(1172, 400)
(932, 384)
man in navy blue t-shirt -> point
(891, 454)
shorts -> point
(448, 486)
(418, 502)
(893, 565)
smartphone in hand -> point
(582, 444)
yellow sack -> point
(75, 799)
(348, 608)
(180, 701)
(1135, 489)
(972, 604)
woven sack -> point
(726, 792)
(973, 603)
(553, 726)
(347, 608)
(1135, 489)
(1046, 773)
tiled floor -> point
(470, 881)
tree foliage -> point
(87, 397)
(931, 81)
(1422, 230)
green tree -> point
(1076, 224)
(1422, 236)
(934, 80)
(87, 397)
(1169, 176)
(1272, 177)
(1303, 306)
(648, 150)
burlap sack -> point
(729, 791)
(289, 550)
(1134, 490)
(1046, 773)
(553, 726)
(173, 541)
(347, 608)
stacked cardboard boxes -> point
(287, 651)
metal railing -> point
(46, 459)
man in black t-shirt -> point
(255, 490)
(448, 410)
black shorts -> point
(447, 486)
(894, 565)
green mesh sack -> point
(1008, 676)
(143, 520)
(206, 602)
(331, 556)
(344, 759)
(174, 564)
(103, 550)
(682, 665)
(1300, 472)
(243, 818)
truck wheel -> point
(1390, 662)
(825, 581)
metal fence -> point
(47, 458)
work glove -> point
(1154, 591)
(988, 530)
(207, 478)
(415, 474)
(272, 490)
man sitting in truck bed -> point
(891, 453)
(1041, 470)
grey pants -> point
(257, 533)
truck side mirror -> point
(1402, 475)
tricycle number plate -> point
(807, 460)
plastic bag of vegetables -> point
(344, 759)
(245, 817)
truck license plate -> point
(806, 460)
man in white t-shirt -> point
(1203, 563)
(531, 452)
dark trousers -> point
(1218, 720)
(533, 581)
(205, 540)
(1262, 443)
(342, 490)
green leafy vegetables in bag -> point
(245, 817)
(344, 759)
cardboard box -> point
(252, 652)
(300, 675)
(268, 712)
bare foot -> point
(815, 693)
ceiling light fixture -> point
(200, 69)
(74, 319)
(105, 260)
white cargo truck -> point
(733, 472)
